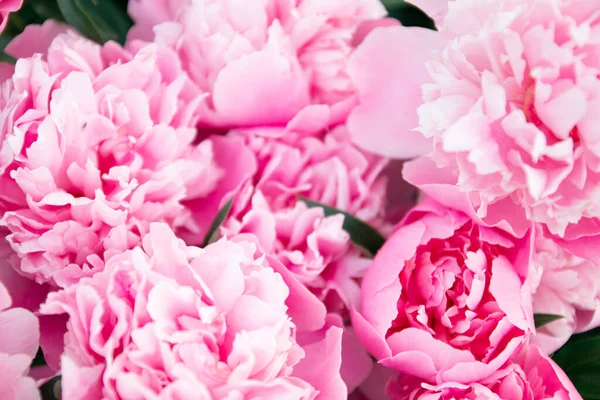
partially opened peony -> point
(169, 321)
(446, 299)
(19, 341)
(95, 144)
(261, 62)
(514, 105)
(530, 375)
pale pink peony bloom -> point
(446, 299)
(95, 144)
(170, 321)
(530, 375)
(261, 62)
(19, 341)
(513, 108)
(6, 7)
(566, 285)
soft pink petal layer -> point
(389, 90)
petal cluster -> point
(565, 285)
(170, 321)
(19, 340)
(513, 107)
(446, 299)
(532, 375)
(95, 143)
(329, 170)
(262, 63)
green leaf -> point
(361, 234)
(39, 359)
(408, 14)
(213, 232)
(99, 20)
(51, 390)
(544, 319)
(580, 359)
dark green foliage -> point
(544, 319)
(99, 20)
(580, 359)
(408, 14)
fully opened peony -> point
(260, 61)
(168, 321)
(446, 299)
(531, 375)
(514, 107)
(566, 285)
(19, 340)
(95, 144)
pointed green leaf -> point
(39, 359)
(361, 233)
(213, 232)
(544, 319)
(99, 20)
(408, 14)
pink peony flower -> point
(6, 7)
(513, 108)
(19, 341)
(261, 62)
(446, 299)
(566, 285)
(170, 321)
(531, 375)
(95, 144)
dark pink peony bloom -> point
(446, 299)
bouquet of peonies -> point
(300, 199)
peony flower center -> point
(445, 291)
(529, 106)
